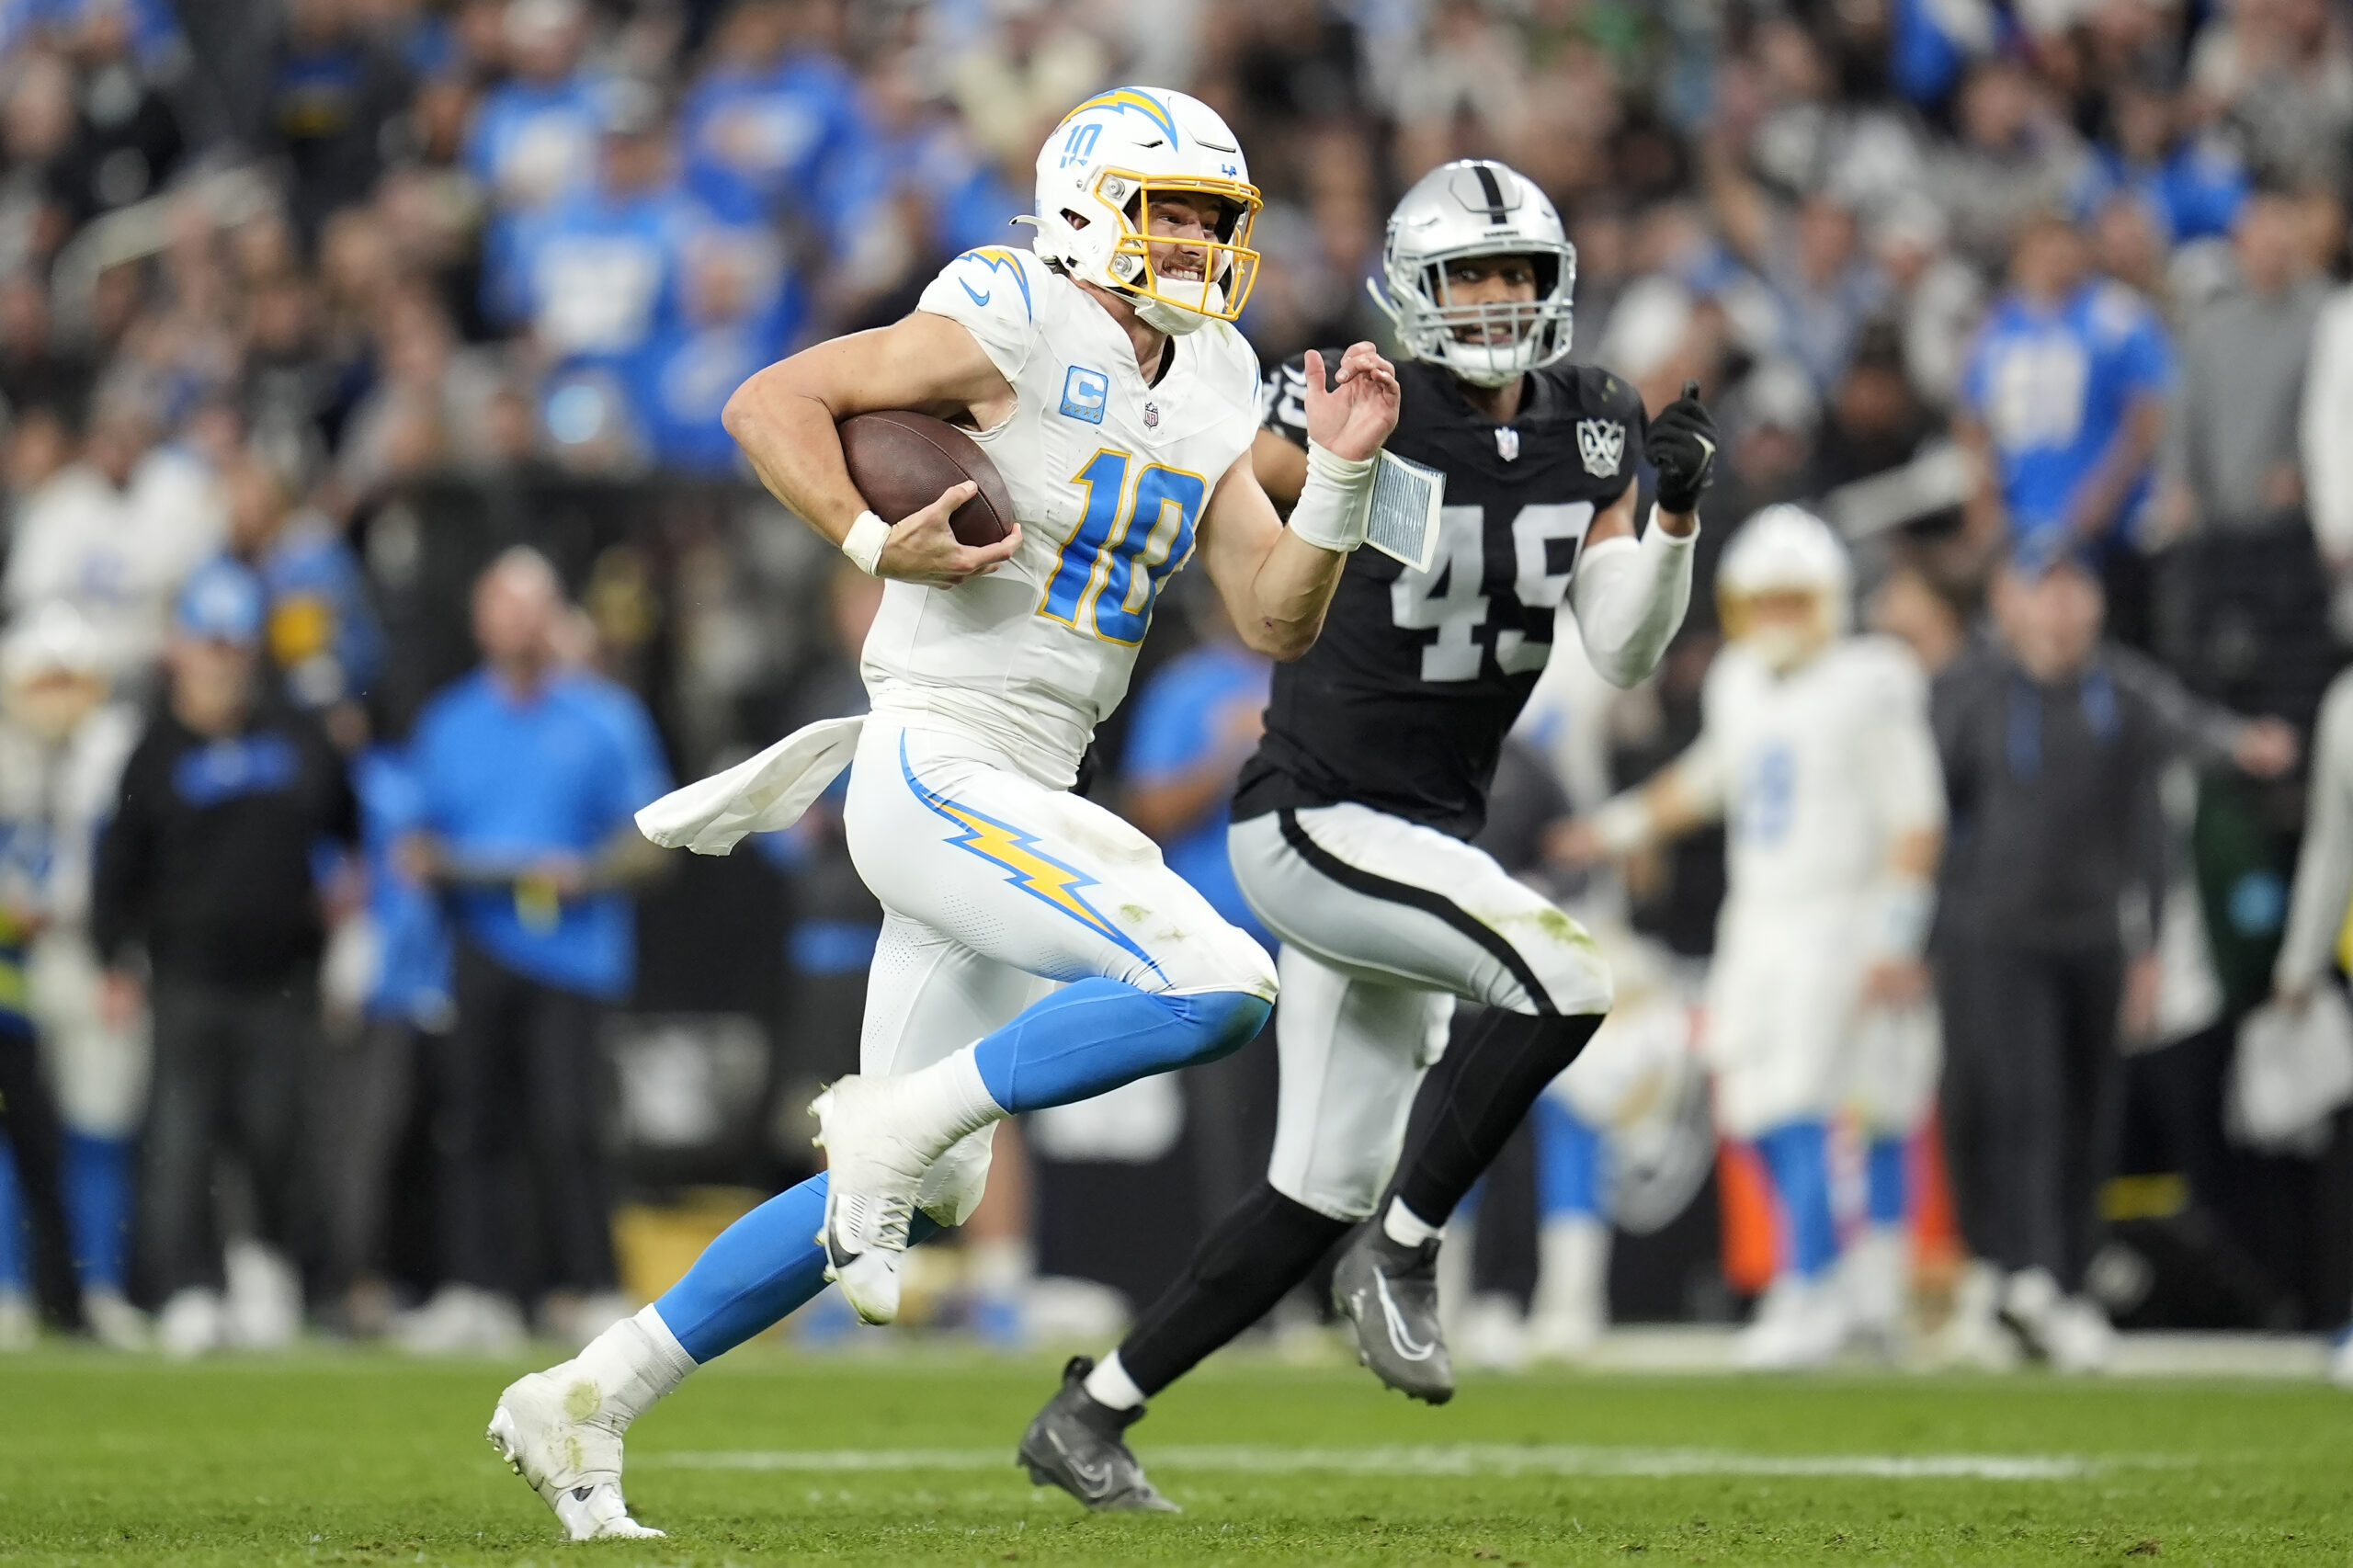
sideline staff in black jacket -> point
(208, 866)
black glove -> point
(1682, 447)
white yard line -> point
(1455, 1459)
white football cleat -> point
(1495, 1333)
(872, 1171)
(1974, 1336)
(461, 1320)
(2078, 1336)
(556, 1430)
(114, 1322)
(1801, 1323)
(192, 1324)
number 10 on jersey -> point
(1128, 541)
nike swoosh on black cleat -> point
(1094, 1480)
(1399, 1339)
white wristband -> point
(863, 544)
(1335, 508)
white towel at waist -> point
(760, 794)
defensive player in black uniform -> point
(1351, 822)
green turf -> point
(368, 1459)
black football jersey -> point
(1404, 702)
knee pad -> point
(951, 1190)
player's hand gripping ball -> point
(951, 515)
(1682, 446)
(1355, 416)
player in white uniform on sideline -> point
(1814, 749)
(1035, 950)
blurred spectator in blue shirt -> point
(1197, 721)
(2063, 399)
(740, 312)
(531, 774)
(596, 276)
(2192, 184)
(773, 126)
(534, 138)
(322, 633)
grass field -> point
(771, 1458)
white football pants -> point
(994, 889)
(1788, 1035)
(1384, 923)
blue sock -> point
(1887, 1181)
(1568, 1162)
(1799, 1155)
(757, 1271)
(14, 1237)
(97, 1207)
(1090, 1038)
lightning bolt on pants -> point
(1023, 918)
(997, 889)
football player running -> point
(1035, 948)
(1814, 749)
(1351, 822)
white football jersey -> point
(1816, 772)
(1109, 477)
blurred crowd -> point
(1997, 286)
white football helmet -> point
(1477, 206)
(1097, 176)
(1785, 551)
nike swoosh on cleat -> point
(1094, 1480)
(1398, 1336)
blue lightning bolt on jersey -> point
(2054, 387)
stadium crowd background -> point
(362, 294)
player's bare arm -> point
(785, 420)
(1277, 585)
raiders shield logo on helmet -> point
(1602, 443)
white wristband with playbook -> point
(863, 544)
(1334, 509)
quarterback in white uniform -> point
(1816, 750)
(1035, 950)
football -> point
(902, 462)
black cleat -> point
(1075, 1443)
(1390, 1294)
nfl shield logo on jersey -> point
(1508, 444)
(1601, 442)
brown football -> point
(902, 463)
